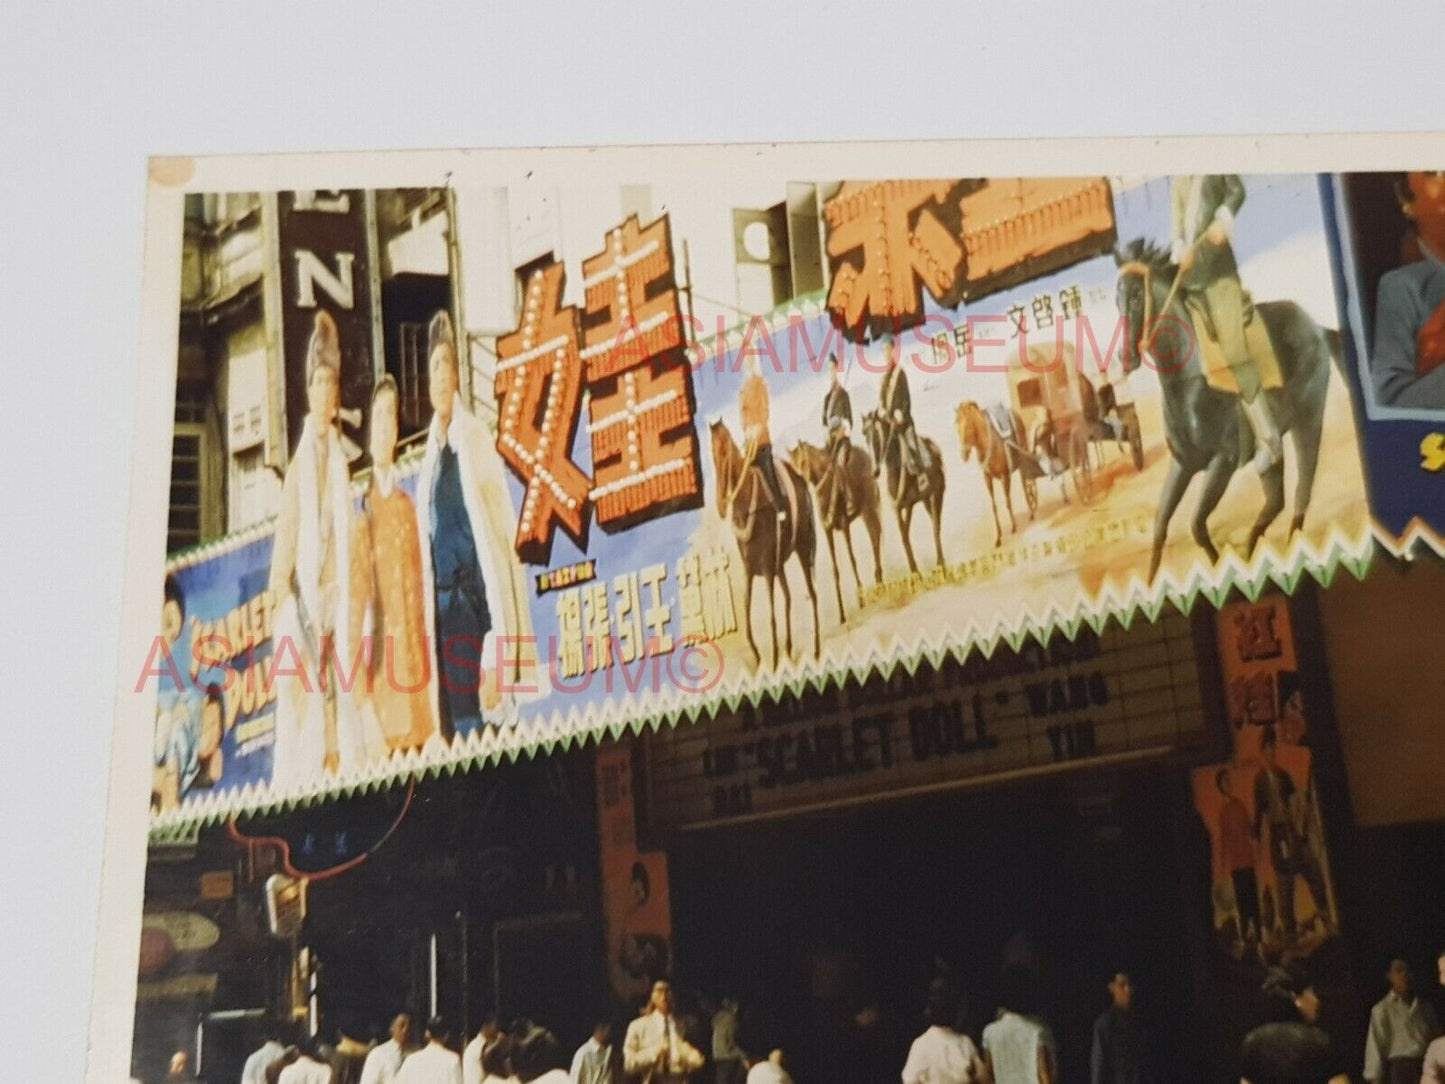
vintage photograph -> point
(810, 624)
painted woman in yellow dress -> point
(386, 592)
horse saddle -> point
(790, 497)
(1198, 305)
(1217, 371)
(1001, 418)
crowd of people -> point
(522, 1053)
(1405, 1045)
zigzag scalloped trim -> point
(545, 734)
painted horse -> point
(843, 497)
(997, 456)
(764, 544)
(885, 441)
(1204, 426)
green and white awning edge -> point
(632, 714)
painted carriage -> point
(1065, 416)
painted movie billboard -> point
(583, 495)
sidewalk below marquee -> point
(829, 851)
(811, 920)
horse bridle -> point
(744, 465)
(1146, 272)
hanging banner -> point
(327, 265)
(1272, 891)
(636, 902)
(1021, 405)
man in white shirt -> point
(942, 1054)
(254, 1071)
(309, 1068)
(384, 1062)
(655, 1051)
(485, 1039)
(1017, 1048)
(1402, 1026)
(593, 1062)
(433, 1063)
(770, 1071)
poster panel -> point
(636, 901)
(1391, 268)
(1018, 405)
(1272, 890)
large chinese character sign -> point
(585, 488)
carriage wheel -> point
(1083, 472)
(1031, 494)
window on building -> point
(190, 401)
(190, 471)
(186, 489)
(408, 304)
(411, 377)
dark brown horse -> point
(885, 441)
(1202, 424)
(997, 457)
(831, 485)
(743, 498)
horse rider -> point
(758, 442)
(896, 406)
(838, 421)
(1203, 210)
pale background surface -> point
(86, 95)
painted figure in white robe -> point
(316, 725)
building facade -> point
(1005, 720)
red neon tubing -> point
(351, 863)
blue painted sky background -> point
(1281, 245)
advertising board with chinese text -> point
(580, 491)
